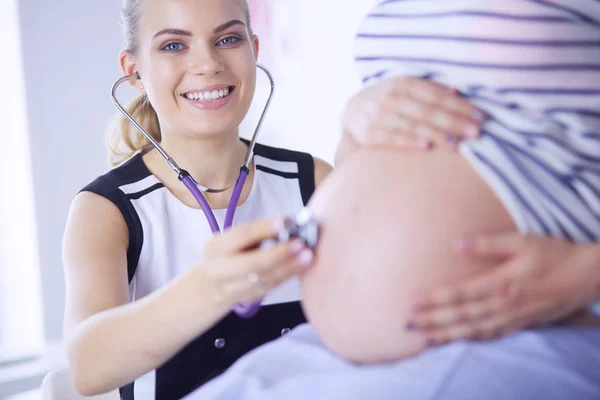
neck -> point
(213, 162)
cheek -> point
(163, 79)
(248, 73)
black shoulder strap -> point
(107, 186)
(306, 166)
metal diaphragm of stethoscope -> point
(303, 226)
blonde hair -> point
(123, 138)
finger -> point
(420, 136)
(431, 92)
(441, 121)
(491, 329)
(387, 126)
(493, 245)
(386, 137)
(443, 317)
(509, 322)
(262, 261)
(445, 109)
(242, 237)
(409, 119)
(280, 273)
(501, 323)
(498, 302)
(492, 326)
(266, 271)
(482, 286)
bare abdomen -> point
(389, 225)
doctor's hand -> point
(538, 281)
(240, 271)
(410, 113)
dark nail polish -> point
(479, 115)
(451, 139)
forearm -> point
(116, 346)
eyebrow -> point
(228, 25)
(181, 32)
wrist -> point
(591, 265)
(595, 268)
(346, 146)
(205, 294)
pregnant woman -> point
(390, 219)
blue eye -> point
(229, 41)
(172, 47)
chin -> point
(207, 131)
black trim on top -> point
(107, 186)
(286, 175)
(142, 193)
(126, 392)
(306, 166)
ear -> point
(128, 64)
(255, 46)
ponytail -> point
(123, 137)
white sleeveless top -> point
(167, 238)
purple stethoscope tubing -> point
(244, 310)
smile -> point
(209, 95)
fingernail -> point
(478, 115)
(295, 246)
(305, 257)
(415, 306)
(277, 225)
(424, 144)
(454, 91)
(451, 139)
(465, 244)
(471, 131)
(430, 342)
(411, 325)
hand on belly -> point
(389, 224)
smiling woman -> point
(149, 289)
(162, 47)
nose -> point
(205, 61)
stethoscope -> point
(244, 310)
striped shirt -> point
(534, 67)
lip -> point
(210, 104)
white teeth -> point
(215, 94)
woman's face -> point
(197, 63)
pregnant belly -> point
(389, 225)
